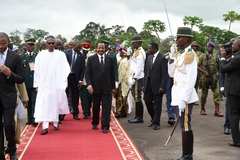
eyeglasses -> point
(51, 43)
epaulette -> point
(189, 56)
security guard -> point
(28, 60)
(209, 66)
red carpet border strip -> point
(125, 144)
(26, 137)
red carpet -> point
(77, 140)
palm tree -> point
(231, 17)
(155, 26)
(192, 21)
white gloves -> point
(132, 82)
(173, 51)
(116, 85)
(181, 106)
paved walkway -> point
(210, 143)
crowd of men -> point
(54, 79)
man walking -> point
(155, 82)
(101, 84)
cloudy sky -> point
(69, 17)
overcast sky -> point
(69, 17)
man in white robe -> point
(50, 79)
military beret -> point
(211, 44)
(24, 48)
(137, 38)
(105, 41)
(86, 46)
(184, 32)
(30, 41)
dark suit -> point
(8, 97)
(102, 81)
(76, 75)
(156, 76)
(232, 90)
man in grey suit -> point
(232, 90)
(155, 82)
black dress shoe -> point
(136, 120)
(55, 128)
(28, 123)
(94, 127)
(234, 144)
(61, 117)
(156, 127)
(76, 118)
(13, 156)
(85, 117)
(105, 130)
(226, 131)
(45, 131)
(34, 124)
(171, 121)
(150, 124)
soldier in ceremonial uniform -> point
(28, 60)
(209, 66)
(85, 96)
(183, 68)
(136, 79)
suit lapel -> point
(98, 62)
(156, 60)
(8, 58)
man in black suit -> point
(101, 84)
(155, 81)
(77, 62)
(11, 72)
(232, 90)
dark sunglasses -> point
(51, 43)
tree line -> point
(151, 31)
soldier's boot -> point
(138, 114)
(187, 146)
(217, 112)
(203, 111)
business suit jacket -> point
(158, 73)
(232, 68)
(101, 81)
(8, 91)
(79, 64)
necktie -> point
(151, 62)
(102, 64)
(1, 59)
(73, 62)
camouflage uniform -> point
(211, 81)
